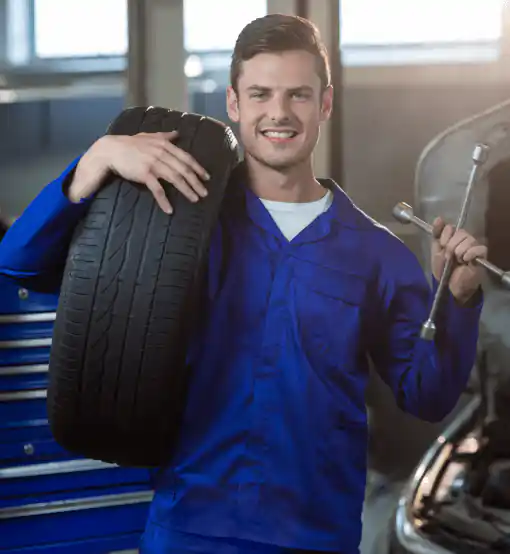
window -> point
(210, 32)
(213, 26)
(78, 29)
(422, 26)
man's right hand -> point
(144, 158)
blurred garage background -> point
(403, 72)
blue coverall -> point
(273, 448)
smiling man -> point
(303, 289)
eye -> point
(300, 95)
(258, 95)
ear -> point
(327, 103)
(232, 105)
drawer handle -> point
(53, 468)
(20, 396)
(29, 449)
(43, 317)
(29, 343)
(23, 370)
(31, 510)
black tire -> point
(133, 276)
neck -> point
(295, 184)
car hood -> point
(441, 179)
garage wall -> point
(387, 126)
(389, 117)
(39, 139)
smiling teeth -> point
(276, 134)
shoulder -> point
(387, 253)
(352, 217)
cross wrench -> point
(480, 155)
(404, 213)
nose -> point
(279, 110)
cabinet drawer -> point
(23, 409)
(32, 451)
(35, 430)
(23, 377)
(15, 299)
(26, 326)
(74, 520)
(66, 480)
(110, 544)
(25, 352)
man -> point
(273, 446)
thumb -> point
(438, 261)
(437, 227)
(438, 258)
(169, 135)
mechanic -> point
(303, 290)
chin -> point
(283, 166)
(281, 163)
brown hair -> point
(279, 33)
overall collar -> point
(342, 211)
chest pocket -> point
(330, 307)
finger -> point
(158, 192)
(180, 161)
(186, 172)
(165, 166)
(455, 240)
(446, 235)
(437, 227)
(478, 251)
(464, 245)
(187, 159)
(159, 136)
(169, 135)
(438, 264)
(176, 179)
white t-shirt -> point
(293, 217)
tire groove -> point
(146, 245)
(90, 318)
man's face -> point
(279, 107)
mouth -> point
(279, 136)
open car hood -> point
(440, 183)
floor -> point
(397, 443)
(381, 500)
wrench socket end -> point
(403, 212)
(480, 154)
(428, 330)
(505, 279)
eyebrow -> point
(302, 88)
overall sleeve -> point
(427, 377)
(34, 250)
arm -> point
(427, 377)
(34, 249)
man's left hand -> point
(466, 276)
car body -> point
(457, 500)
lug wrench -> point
(404, 214)
(480, 155)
